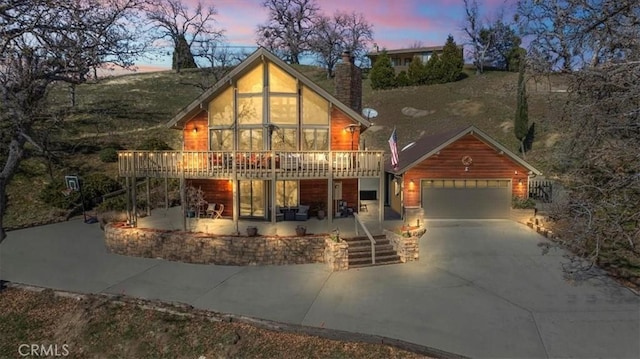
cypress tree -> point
(521, 120)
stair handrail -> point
(366, 231)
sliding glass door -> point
(252, 198)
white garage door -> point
(466, 199)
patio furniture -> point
(211, 209)
(279, 214)
(289, 213)
(363, 207)
(303, 213)
(217, 213)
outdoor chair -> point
(279, 214)
(217, 213)
(211, 209)
(363, 207)
(303, 213)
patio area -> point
(172, 219)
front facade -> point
(266, 137)
(459, 174)
(401, 58)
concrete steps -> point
(360, 252)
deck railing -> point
(250, 164)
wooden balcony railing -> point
(250, 164)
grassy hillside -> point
(124, 111)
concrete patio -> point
(171, 219)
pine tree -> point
(433, 70)
(416, 72)
(521, 120)
(402, 79)
(451, 61)
(382, 74)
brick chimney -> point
(348, 81)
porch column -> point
(148, 197)
(272, 165)
(381, 194)
(166, 193)
(134, 199)
(234, 186)
(183, 207)
(330, 193)
(128, 197)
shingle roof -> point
(428, 145)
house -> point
(460, 174)
(401, 58)
(265, 137)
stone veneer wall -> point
(337, 255)
(201, 248)
(408, 248)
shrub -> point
(108, 155)
(53, 195)
(97, 184)
(522, 203)
(154, 144)
(452, 61)
(402, 79)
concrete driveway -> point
(481, 289)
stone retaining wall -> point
(207, 249)
(408, 248)
(337, 255)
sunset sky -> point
(396, 23)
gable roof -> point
(427, 146)
(202, 101)
(413, 50)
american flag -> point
(393, 143)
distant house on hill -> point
(401, 58)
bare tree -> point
(220, 59)
(174, 21)
(479, 38)
(600, 161)
(289, 27)
(341, 32)
(47, 41)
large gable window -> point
(280, 81)
(315, 109)
(250, 110)
(252, 81)
(315, 139)
(221, 109)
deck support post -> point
(166, 193)
(381, 193)
(330, 210)
(127, 186)
(148, 196)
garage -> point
(462, 173)
(466, 198)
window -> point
(286, 193)
(283, 109)
(221, 109)
(280, 81)
(315, 109)
(250, 109)
(250, 139)
(252, 82)
(221, 140)
(315, 139)
(284, 139)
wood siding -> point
(487, 163)
(340, 138)
(216, 191)
(197, 141)
(313, 191)
(350, 193)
